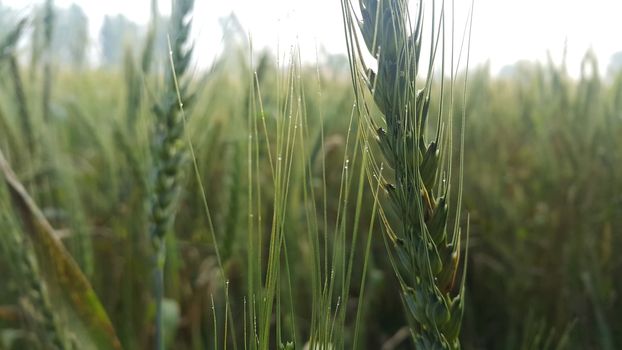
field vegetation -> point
(258, 204)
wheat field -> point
(369, 202)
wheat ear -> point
(425, 256)
(168, 147)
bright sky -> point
(504, 31)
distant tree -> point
(116, 32)
(70, 36)
(234, 42)
(522, 70)
(7, 20)
(336, 64)
(73, 27)
(615, 64)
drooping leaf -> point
(79, 309)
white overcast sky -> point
(504, 31)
